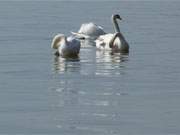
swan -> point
(89, 31)
(66, 46)
(115, 42)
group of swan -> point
(70, 46)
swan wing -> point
(73, 44)
(80, 35)
(102, 42)
(89, 31)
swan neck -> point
(119, 35)
(111, 43)
(115, 24)
(124, 45)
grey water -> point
(98, 93)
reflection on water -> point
(79, 108)
(84, 99)
(107, 56)
(108, 63)
(66, 64)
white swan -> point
(89, 31)
(66, 46)
(116, 41)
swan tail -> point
(56, 40)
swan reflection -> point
(61, 65)
(81, 98)
(109, 63)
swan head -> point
(116, 16)
(57, 40)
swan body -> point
(115, 42)
(66, 46)
(89, 31)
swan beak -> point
(81, 38)
(119, 18)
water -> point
(99, 93)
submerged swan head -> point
(57, 40)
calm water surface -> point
(98, 93)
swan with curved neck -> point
(65, 46)
(116, 41)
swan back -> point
(89, 31)
(102, 42)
